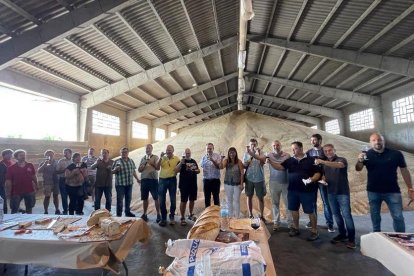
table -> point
(396, 254)
(42, 247)
(261, 237)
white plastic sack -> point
(208, 258)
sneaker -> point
(308, 225)
(162, 223)
(339, 239)
(192, 217)
(313, 236)
(158, 218)
(294, 232)
(351, 245)
(183, 222)
(57, 212)
(46, 213)
(144, 217)
(275, 227)
(65, 213)
(79, 213)
(129, 214)
(331, 229)
(172, 221)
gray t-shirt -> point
(280, 177)
(149, 171)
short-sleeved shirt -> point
(210, 171)
(149, 171)
(125, 177)
(280, 177)
(62, 165)
(49, 173)
(188, 175)
(90, 160)
(299, 169)
(255, 172)
(168, 165)
(337, 178)
(76, 181)
(382, 170)
(104, 173)
(21, 178)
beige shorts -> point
(49, 189)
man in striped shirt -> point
(125, 172)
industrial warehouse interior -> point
(122, 74)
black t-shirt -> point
(337, 178)
(187, 173)
(382, 170)
(301, 169)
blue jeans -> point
(394, 203)
(108, 197)
(63, 194)
(121, 192)
(323, 190)
(170, 185)
(341, 209)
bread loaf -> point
(96, 215)
(110, 227)
(207, 226)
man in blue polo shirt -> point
(303, 176)
(382, 185)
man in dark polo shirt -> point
(303, 176)
(336, 175)
(382, 164)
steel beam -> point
(291, 115)
(170, 117)
(329, 112)
(345, 95)
(199, 117)
(142, 111)
(56, 29)
(124, 85)
(395, 65)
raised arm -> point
(276, 165)
(332, 164)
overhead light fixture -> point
(194, 84)
(189, 50)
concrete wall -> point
(99, 141)
(135, 143)
(115, 143)
(398, 135)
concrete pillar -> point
(82, 122)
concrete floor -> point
(292, 256)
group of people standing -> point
(295, 178)
(73, 177)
